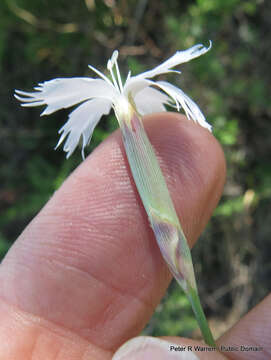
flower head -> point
(96, 96)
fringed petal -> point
(178, 58)
(82, 122)
(65, 92)
(150, 100)
(134, 85)
(190, 108)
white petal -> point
(189, 106)
(134, 84)
(178, 58)
(82, 122)
(150, 100)
(65, 92)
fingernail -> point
(146, 348)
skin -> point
(86, 274)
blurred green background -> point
(44, 39)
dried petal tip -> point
(202, 47)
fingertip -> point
(89, 260)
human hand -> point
(86, 274)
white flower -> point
(96, 97)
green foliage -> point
(226, 130)
(230, 206)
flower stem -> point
(193, 297)
(158, 204)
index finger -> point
(89, 263)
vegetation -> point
(40, 40)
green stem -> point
(158, 204)
(193, 297)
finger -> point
(251, 335)
(89, 262)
